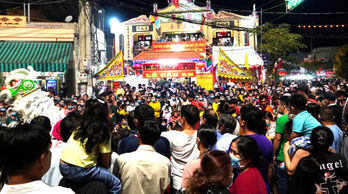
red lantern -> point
(223, 34)
(142, 37)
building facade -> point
(183, 26)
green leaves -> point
(341, 65)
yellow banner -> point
(205, 81)
(227, 68)
(113, 70)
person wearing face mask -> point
(253, 125)
(12, 118)
(205, 141)
(247, 158)
(167, 113)
(156, 107)
(216, 103)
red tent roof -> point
(181, 55)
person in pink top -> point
(247, 157)
(205, 142)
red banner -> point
(196, 46)
(169, 74)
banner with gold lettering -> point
(113, 70)
(227, 68)
(169, 74)
(196, 46)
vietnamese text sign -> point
(169, 74)
(196, 46)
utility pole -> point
(85, 62)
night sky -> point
(312, 12)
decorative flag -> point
(320, 69)
(202, 22)
(227, 68)
(208, 64)
(246, 61)
(158, 23)
(113, 70)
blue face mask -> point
(235, 161)
(200, 99)
(70, 107)
(173, 99)
(14, 114)
(139, 101)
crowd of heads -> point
(155, 108)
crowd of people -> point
(181, 138)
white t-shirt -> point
(35, 187)
(183, 149)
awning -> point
(237, 55)
(151, 56)
(43, 57)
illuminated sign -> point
(155, 70)
(196, 46)
(142, 28)
(291, 4)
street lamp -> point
(114, 23)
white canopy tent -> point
(237, 55)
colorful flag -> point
(113, 70)
(246, 61)
(208, 64)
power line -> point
(265, 4)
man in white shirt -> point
(144, 170)
(183, 144)
(26, 157)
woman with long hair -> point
(247, 157)
(214, 175)
(87, 153)
(322, 171)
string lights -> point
(322, 26)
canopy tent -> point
(113, 70)
(227, 68)
(152, 56)
(238, 55)
(43, 57)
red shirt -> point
(249, 182)
(197, 104)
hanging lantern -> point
(142, 37)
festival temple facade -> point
(184, 26)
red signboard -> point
(196, 46)
(155, 70)
(169, 74)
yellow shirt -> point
(215, 106)
(120, 91)
(123, 112)
(156, 107)
(74, 153)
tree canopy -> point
(341, 65)
(278, 42)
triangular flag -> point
(113, 70)
(227, 68)
(246, 61)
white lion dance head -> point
(29, 99)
